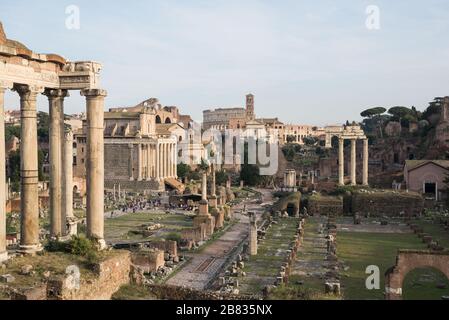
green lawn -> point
(359, 250)
(119, 228)
(435, 230)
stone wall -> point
(387, 203)
(166, 246)
(149, 260)
(194, 234)
(167, 292)
(109, 276)
(325, 205)
(116, 162)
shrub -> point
(174, 236)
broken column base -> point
(213, 201)
(72, 228)
(207, 220)
(100, 244)
(30, 249)
(3, 256)
(218, 214)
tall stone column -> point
(365, 162)
(148, 163)
(175, 161)
(353, 162)
(252, 235)
(204, 187)
(95, 164)
(29, 202)
(172, 161)
(164, 160)
(131, 162)
(3, 252)
(341, 161)
(56, 107)
(168, 160)
(67, 185)
(158, 162)
(139, 162)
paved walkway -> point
(205, 266)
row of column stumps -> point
(353, 162)
(61, 177)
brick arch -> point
(408, 260)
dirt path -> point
(205, 266)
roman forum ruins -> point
(28, 74)
(352, 133)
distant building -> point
(427, 177)
(12, 117)
(140, 147)
(229, 118)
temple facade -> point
(141, 147)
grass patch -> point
(360, 250)
(133, 292)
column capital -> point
(93, 93)
(56, 93)
(28, 92)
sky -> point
(306, 62)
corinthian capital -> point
(56, 93)
(92, 93)
(28, 92)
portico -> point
(30, 74)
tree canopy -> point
(372, 112)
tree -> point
(221, 177)
(372, 112)
(183, 170)
(11, 131)
(291, 138)
(399, 112)
(250, 174)
(204, 165)
(310, 141)
(14, 166)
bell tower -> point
(250, 107)
(445, 110)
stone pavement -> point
(206, 265)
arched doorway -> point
(167, 120)
(406, 262)
(425, 284)
(158, 119)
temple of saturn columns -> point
(28, 74)
(352, 133)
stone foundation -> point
(108, 276)
(387, 203)
(149, 260)
(325, 205)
